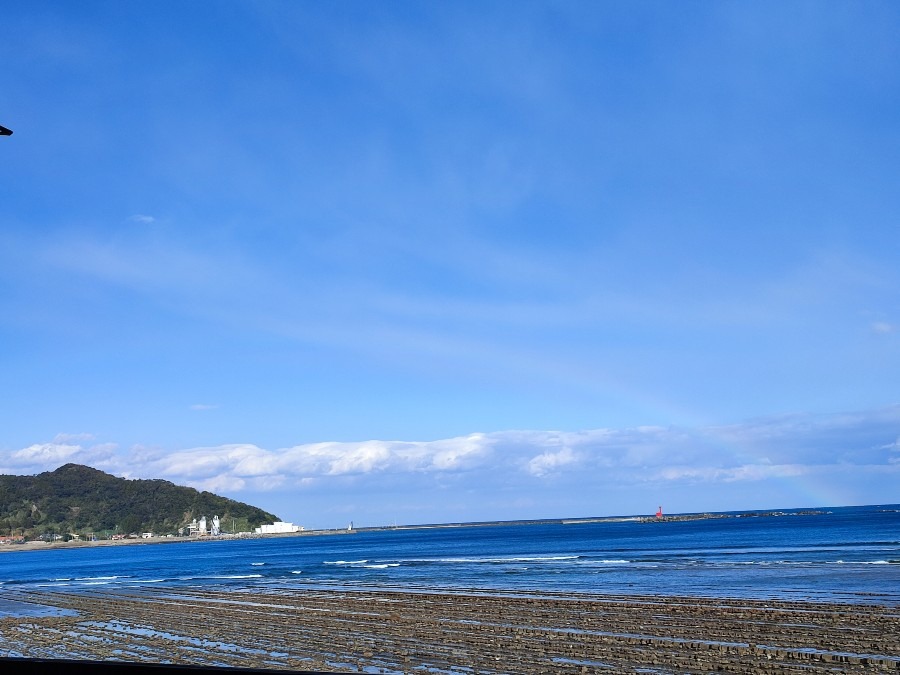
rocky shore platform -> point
(385, 631)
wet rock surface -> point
(464, 632)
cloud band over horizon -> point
(814, 460)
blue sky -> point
(424, 262)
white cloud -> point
(204, 406)
(40, 457)
(142, 219)
(883, 327)
(46, 453)
(893, 448)
(207, 463)
(460, 453)
(762, 449)
(364, 458)
(548, 462)
(220, 484)
(751, 452)
(335, 459)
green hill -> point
(76, 498)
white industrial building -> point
(278, 527)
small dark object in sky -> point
(4, 131)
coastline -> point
(52, 546)
(443, 632)
(151, 541)
(674, 518)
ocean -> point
(839, 555)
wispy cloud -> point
(746, 472)
(73, 438)
(883, 327)
(144, 264)
(142, 219)
(204, 406)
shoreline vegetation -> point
(468, 630)
(41, 545)
(77, 501)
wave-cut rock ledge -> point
(468, 631)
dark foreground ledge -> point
(475, 631)
(70, 667)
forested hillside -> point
(79, 499)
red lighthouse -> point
(659, 513)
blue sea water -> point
(846, 554)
